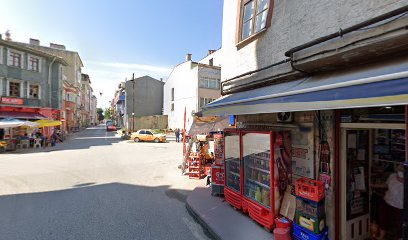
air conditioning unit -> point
(284, 117)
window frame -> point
(9, 51)
(38, 93)
(9, 82)
(239, 42)
(29, 66)
(205, 82)
(1, 54)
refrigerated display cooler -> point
(232, 165)
(262, 169)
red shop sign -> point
(16, 101)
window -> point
(142, 132)
(172, 107)
(1, 55)
(211, 62)
(34, 91)
(205, 101)
(254, 17)
(14, 89)
(14, 58)
(147, 132)
(212, 83)
(172, 94)
(33, 64)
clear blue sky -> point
(116, 38)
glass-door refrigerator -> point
(233, 170)
(267, 172)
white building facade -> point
(190, 86)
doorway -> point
(370, 154)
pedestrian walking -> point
(177, 133)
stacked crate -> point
(310, 210)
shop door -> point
(355, 209)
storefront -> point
(347, 132)
(372, 155)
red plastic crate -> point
(310, 189)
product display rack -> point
(233, 170)
(195, 168)
(256, 172)
(258, 166)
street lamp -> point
(133, 121)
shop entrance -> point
(371, 156)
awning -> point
(21, 115)
(382, 84)
(48, 123)
(12, 122)
(205, 125)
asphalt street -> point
(96, 186)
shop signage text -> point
(16, 101)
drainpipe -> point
(49, 79)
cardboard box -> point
(288, 207)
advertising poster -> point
(302, 152)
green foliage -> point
(99, 111)
(108, 113)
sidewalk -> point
(221, 220)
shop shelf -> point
(258, 183)
(259, 169)
(235, 174)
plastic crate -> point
(300, 233)
(309, 207)
(310, 223)
(310, 189)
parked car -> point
(110, 126)
(148, 136)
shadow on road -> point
(90, 137)
(109, 211)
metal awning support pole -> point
(184, 133)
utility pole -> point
(133, 103)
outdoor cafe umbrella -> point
(29, 124)
(10, 123)
(48, 123)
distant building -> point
(144, 97)
(30, 82)
(86, 98)
(190, 86)
(119, 106)
(71, 72)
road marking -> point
(194, 228)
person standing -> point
(177, 133)
(391, 213)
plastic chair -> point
(37, 143)
(18, 144)
(25, 143)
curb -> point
(201, 221)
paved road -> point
(95, 186)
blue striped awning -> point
(369, 86)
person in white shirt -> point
(391, 213)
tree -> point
(99, 111)
(108, 113)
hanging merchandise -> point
(324, 152)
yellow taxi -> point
(148, 136)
